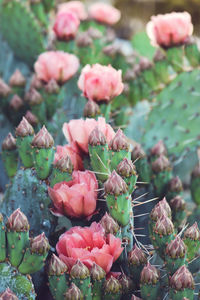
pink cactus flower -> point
(104, 13)
(66, 26)
(76, 7)
(170, 29)
(89, 245)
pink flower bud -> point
(104, 13)
(96, 138)
(83, 39)
(164, 226)
(119, 142)
(43, 139)
(56, 266)
(175, 185)
(8, 295)
(9, 143)
(182, 279)
(73, 293)
(16, 102)
(76, 7)
(162, 208)
(176, 248)
(66, 26)
(5, 90)
(137, 256)
(97, 273)
(109, 224)
(177, 203)
(91, 109)
(79, 270)
(33, 97)
(126, 168)
(166, 206)
(17, 221)
(159, 149)
(52, 87)
(64, 164)
(40, 244)
(24, 128)
(137, 152)
(145, 64)
(115, 185)
(193, 232)
(149, 275)
(17, 79)
(72, 152)
(161, 164)
(31, 118)
(112, 286)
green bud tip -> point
(31, 118)
(97, 137)
(115, 185)
(16, 102)
(56, 266)
(192, 232)
(52, 87)
(137, 256)
(83, 39)
(159, 149)
(24, 128)
(64, 165)
(164, 226)
(43, 139)
(149, 275)
(8, 295)
(119, 142)
(109, 224)
(137, 152)
(91, 109)
(159, 55)
(40, 244)
(112, 286)
(161, 164)
(79, 270)
(176, 248)
(145, 64)
(126, 168)
(182, 279)
(17, 221)
(33, 97)
(5, 90)
(73, 293)
(196, 171)
(177, 203)
(175, 185)
(9, 143)
(17, 79)
(97, 273)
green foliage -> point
(141, 43)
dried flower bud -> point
(97, 137)
(64, 164)
(182, 279)
(159, 55)
(109, 224)
(24, 128)
(97, 273)
(17, 221)
(112, 286)
(40, 244)
(177, 203)
(83, 39)
(159, 149)
(52, 87)
(119, 142)
(164, 226)
(115, 185)
(161, 164)
(79, 270)
(137, 152)
(56, 266)
(43, 139)
(175, 185)
(136, 256)
(196, 171)
(126, 168)
(176, 248)
(149, 275)
(91, 109)
(31, 118)
(33, 97)
(8, 295)
(17, 79)
(145, 64)
(9, 143)
(5, 90)
(16, 102)
(192, 232)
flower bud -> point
(36, 83)
(43, 139)
(64, 164)
(157, 212)
(8, 295)
(159, 55)
(111, 50)
(83, 39)
(137, 70)
(126, 168)
(164, 226)
(52, 87)
(129, 75)
(31, 118)
(149, 275)
(17, 221)
(126, 283)
(176, 248)
(24, 128)
(159, 149)
(175, 185)
(161, 164)
(17, 79)
(91, 109)
(137, 256)
(112, 286)
(177, 203)
(79, 270)
(97, 273)
(137, 152)
(192, 232)
(115, 185)
(16, 102)
(97, 137)
(33, 97)
(56, 266)
(166, 206)
(145, 64)
(119, 142)
(73, 293)
(40, 244)
(109, 224)
(182, 279)
(94, 33)
(196, 171)
(5, 90)
(9, 143)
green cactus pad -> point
(177, 105)
(21, 31)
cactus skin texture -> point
(20, 29)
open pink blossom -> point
(66, 26)
(170, 29)
(76, 7)
(72, 152)
(104, 13)
(78, 131)
(57, 65)
(89, 244)
(76, 198)
(100, 83)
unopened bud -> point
(97, 273)
(182, 279)
(24, 128)
(136, 256)
(33, 97)
(56, 266)
(119, 142)
(112, 286)
(176, 248)
(52, 87)
(31, 118)
(9, 143)
(175, 185)
(161, 164)
(145, 64)
(97, 137)
(17, 79)
(79, 270)
(91, 109)
(137, 152)
(40, 244)
(115, 185)
(5, 90)
(164, 226)
(64, 164)
(43, 139)
(17, 221)
(83, 39)
(73, 293)
(109, 224)
(16, 102)
(149, 275)
(126, 168)
(193, 232)
(177, 203)
(159, 149)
